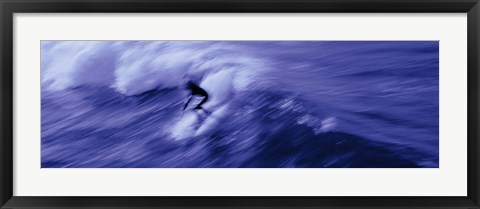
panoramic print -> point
(240, 104)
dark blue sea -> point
(271, 104)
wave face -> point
(271, 104)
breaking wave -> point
(135, 67)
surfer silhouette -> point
(196, 90)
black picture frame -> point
(9, 7)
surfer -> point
(196, 90)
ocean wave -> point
(267, 130)
(135, 67)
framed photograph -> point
(239, 104)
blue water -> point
(272, 104)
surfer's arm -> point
(186, 104)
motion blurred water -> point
(272, 104)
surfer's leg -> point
(199, 106)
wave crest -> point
(134, 67)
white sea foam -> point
(67, 64)
(186, 126)
(135, 67)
